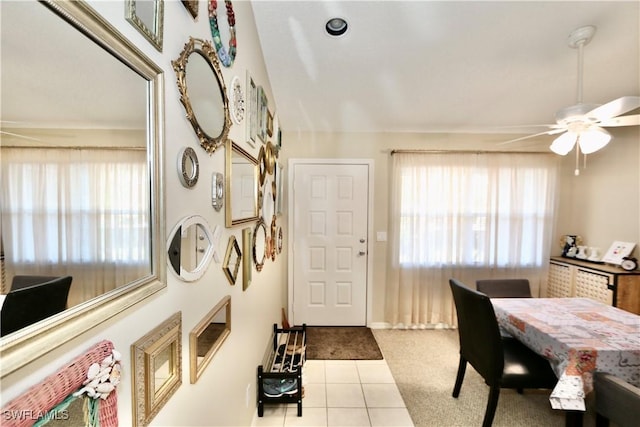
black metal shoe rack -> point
(280, 362)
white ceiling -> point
(442, 66)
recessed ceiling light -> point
(336, 27)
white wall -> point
(219, 396)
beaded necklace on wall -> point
(226, 58)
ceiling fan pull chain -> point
(576, 172)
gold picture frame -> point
(157, 368)
(207, 337)
(247, 265)
(232, 260)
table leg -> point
(573, 418)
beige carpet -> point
(341, 343)
(424, 365)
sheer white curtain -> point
(467, 216)
(81, 212)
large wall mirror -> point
(241, 180)
(203, 93)
(78, 100)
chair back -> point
(480, 342)
(29, 305)
(504, 288)
(24, 281)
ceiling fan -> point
(583, 124)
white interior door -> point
(330, 208)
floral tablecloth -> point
(578, 336)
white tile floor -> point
(343, 393)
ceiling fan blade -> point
(621, 121)
(549, 132)
(615, 108)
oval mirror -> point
(190, 248)
(203, 93)
(259, 244)
(268, 202)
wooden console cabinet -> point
(570, 277)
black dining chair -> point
(616, 400)
(502, 363)
(25, 306)
(504, 288)
(24, 281)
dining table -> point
(578, 336)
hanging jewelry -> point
(226, 58)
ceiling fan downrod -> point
(578, 39)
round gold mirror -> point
(203, 93)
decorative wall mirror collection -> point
(241, 179)
(232, 259)
(203, 93)
(188, 167)
(190, 248)
(207, 337)
(126, 76)
(148, 18)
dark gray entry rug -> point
(341, 343)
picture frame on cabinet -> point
(617, 251)
(252, 110)
(157, 368)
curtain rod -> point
(75, 147)
(418, 151)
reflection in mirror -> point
(73, 129)
(147, 16)
(203, 93)
(207, 337)
(232, 259)
(259, 244)
(162, 368)
(241, 185)
(190, 248)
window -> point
(473, 209)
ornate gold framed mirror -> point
(203, 93)
(157, 368)
(207, 337)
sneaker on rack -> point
(271, 387)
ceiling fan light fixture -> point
(336, 27)
(593, 139)
(564, 143)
